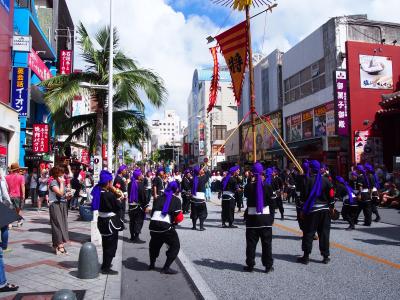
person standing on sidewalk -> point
(58, 209)
(33, 185)
(43, 189)
(166, 213)
(376, 187)
(120, 183)
(259, 219)
(109, 221)
(137, 205)
(186, 191)
(5, 199)
(147, 185)
(16, 185)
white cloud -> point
(164, 40)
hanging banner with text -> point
(20, 90)
(38, 66)
(214, 81)
(233, 44)
(40, 138)
(65, 62)
(341, 103)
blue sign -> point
(20, 90)
(5, 4)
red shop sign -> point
(65, 62)
(40, 138)
(38, 66)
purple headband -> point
(228, 176)
(134, 195)
(257, 171)
(159, 170)
(306, 168)
(169, 192)
(361, 168)
(371, 169)
(121, 168)
(105, 177)
(348, 188)
(316, 189)
(268, 175)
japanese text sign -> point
(20, 90)
(40, 138)
(65, 62)
(38, 66)
(341, 103)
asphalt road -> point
(139, 283)
(365, 262)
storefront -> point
(265, 142)
(9, 136)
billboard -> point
(20, 90)
(341, 103)
(38, 66)
(307, 119)
(376, 72)
(295, 127)
(40, 138)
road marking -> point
(345, 248)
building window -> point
(219, 132)
(265, 90)
(306, 82)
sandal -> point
(9, 287)
(62, 250)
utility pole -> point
(110, 94)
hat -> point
(14, 167)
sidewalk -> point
(33, 265)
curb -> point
(202, 288)
(112, 290)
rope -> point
(281, 142)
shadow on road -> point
(387, 232)
(39, 247)
(132, 263)
(379, 242)
(286, 237)
(219, 265)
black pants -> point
(123, 209)
(136, 219)
(185, 203)
(374, 208)
(198, 211)
(158, 239)
(291, 195)
(228, 209)
(148, 195)
(318, 221)
(252, 237)
(349, 214)
(239, 200)
(279, 205)
(366, 208)
(109, 244)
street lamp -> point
(110, 93)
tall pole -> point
(110, 95)
(251, 81)
(211, 140)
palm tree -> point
(128, 81)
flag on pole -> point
(214, 80)
(234, 44)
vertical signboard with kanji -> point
(40, 139)
(20, 90)
(65, 62)
(341, 103)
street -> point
(365, 262)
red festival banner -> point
(233, 44)
(214, 80)
(65, 62)
(40, 139)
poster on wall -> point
(269, 140)
(367, 148)
(295, 127)
(287, 133)
(330, 119)
(320, 121)
(307, 118)
(376, 72)
(341, 103)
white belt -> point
(365, 191)
(374, 189)
(253, 211)
(347, 197)
(298, 194)
(106, 214)
(292, 186)
(200, 195)
(228, 193)
(158, 216)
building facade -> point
(324, 100)
(9, 124)
(207, 132)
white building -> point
(208, 131)
(167, 131)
